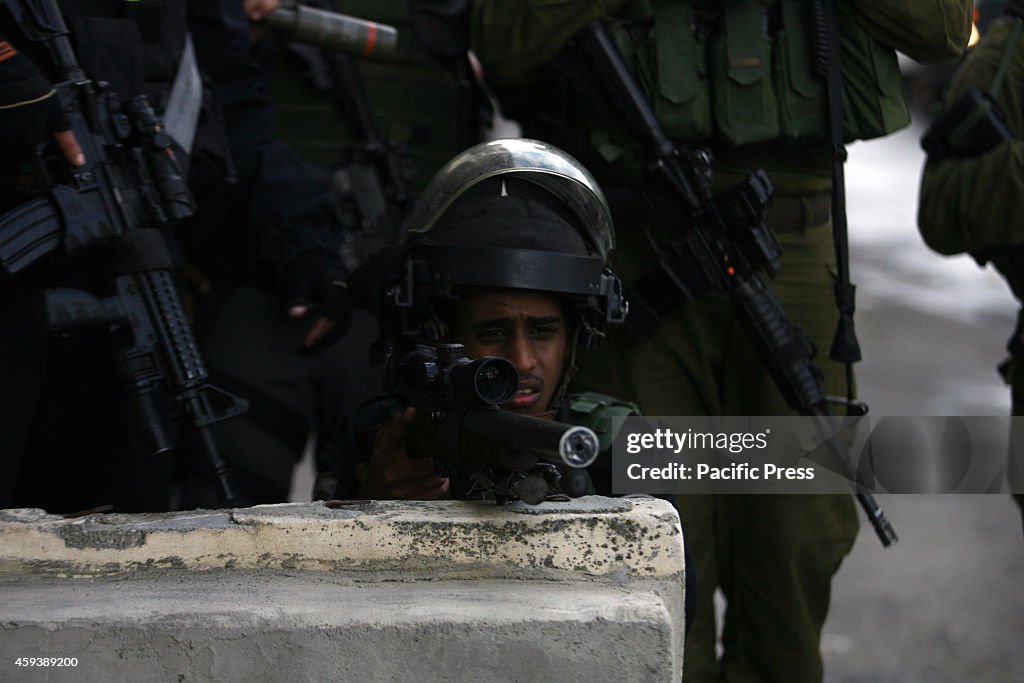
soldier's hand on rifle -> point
(29, 109)
(257, 9)
(314, 282)
(391, 473)
(68, 144)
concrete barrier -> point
(589, 590)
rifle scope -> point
(447, 371)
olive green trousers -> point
(772, 556)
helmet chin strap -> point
(434, 329)
(570, 369)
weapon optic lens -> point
(495, 380)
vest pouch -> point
(801, 91)
(110, 49)
(424, 104)
(681, 96)
(874, 102)
(744, 103)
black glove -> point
(316, 279)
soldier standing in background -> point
(972, 187)
(71, 436)
(738, 78)
(74, 443)
(375, 131)
(267, 275)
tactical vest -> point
(422, 97)
(599, 412)
(603, 414)
(135, 46)
(747, 72)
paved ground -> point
(944, 605)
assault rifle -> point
(372, 183)
(375, 177)
(721, 245)
(519, 457)
(971, 126)
(117, 205)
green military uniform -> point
(974, 204)
(740, 83)
(422, 97)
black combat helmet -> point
(507, 214)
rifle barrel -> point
(570, 445)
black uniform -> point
(269, 239)
(67, 429)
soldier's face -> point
(526, 328)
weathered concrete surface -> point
(592, 536)
(313, 626)
(591, 590)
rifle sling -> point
(845, 347)
(181, 115)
